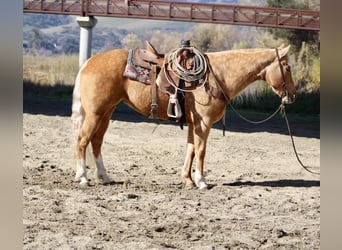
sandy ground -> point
(260, 198)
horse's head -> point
(278, 76)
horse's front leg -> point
(197, 140)
(190, 153)
(201, 133)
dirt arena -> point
(259, 196)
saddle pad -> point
(138, 67)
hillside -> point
(58, 34)
(54, 34)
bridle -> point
(285, 92)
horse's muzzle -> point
(288, 99)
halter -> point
(285, 92)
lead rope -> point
(283, 112)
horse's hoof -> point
(84, 182)
(103, 179)
(77, 178)
(106, 181)
(202, 185)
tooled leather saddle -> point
(150, 67)
(140, 62)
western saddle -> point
(181, 70)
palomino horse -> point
(100, 86)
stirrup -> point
(173, 109)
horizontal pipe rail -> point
(181, 11)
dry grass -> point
(53, 77)
(61, 70)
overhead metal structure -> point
(181, 11)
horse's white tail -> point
(77, 115)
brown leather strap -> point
(154, 104)
(214, 92)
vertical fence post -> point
(86, 23)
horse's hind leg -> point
(86, 132)
(96, 142)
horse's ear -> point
(283, 51)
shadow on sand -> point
(277, 183)
(53, 107)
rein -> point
(257, 122)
